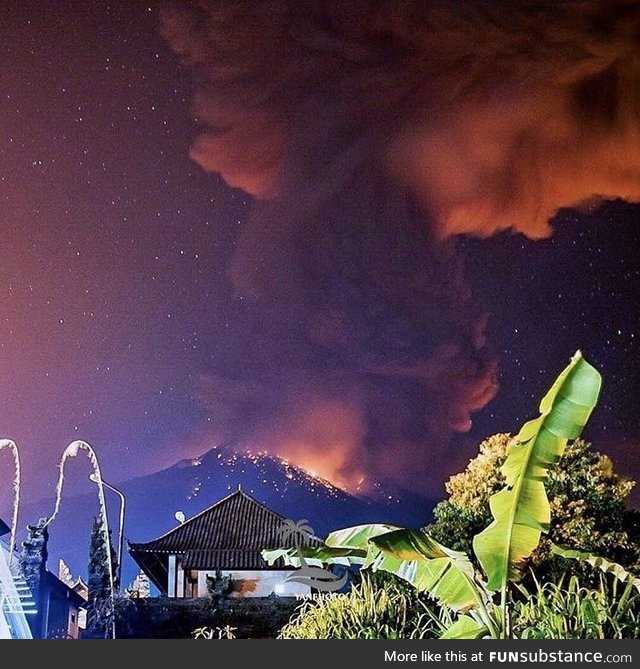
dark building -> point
(59, 608)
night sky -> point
(155, 311)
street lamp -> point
(94, 479)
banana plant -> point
(597, 561)
(521, 513)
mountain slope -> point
(192, 485)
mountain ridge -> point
(193, 484)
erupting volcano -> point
(359, 236)
(370, 133)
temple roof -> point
(229, 535)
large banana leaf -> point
(607, 566)
(521, 509)
(358, 536)
(315, 556)
(466, 627)
(414, 556)
(349, 546)
(411, 555)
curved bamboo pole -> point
(11, 445)
(71, 451)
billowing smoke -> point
(369, 132)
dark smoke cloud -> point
(369, 132)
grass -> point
(571, 611)
(374, 608)
(382, 607)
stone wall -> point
(170, 618)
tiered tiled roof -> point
(228, 535)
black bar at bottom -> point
(367, 653)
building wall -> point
(244, 583)
(60, 620)
(257, 583)
(73, 627)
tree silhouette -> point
(100, 613)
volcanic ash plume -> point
(370, 132)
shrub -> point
(226, 632)
(377, 607)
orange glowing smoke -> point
(320, 437)
(496, 114)
(363, 352)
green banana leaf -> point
(315, 556)
(465, 627)
(357, 536)
(605, 565)
(349, 546)
(521, 509)
(411, 555)
(414, 556)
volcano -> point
(190, 485)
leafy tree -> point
(466, 512)
(588, 507)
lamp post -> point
(94, 479)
